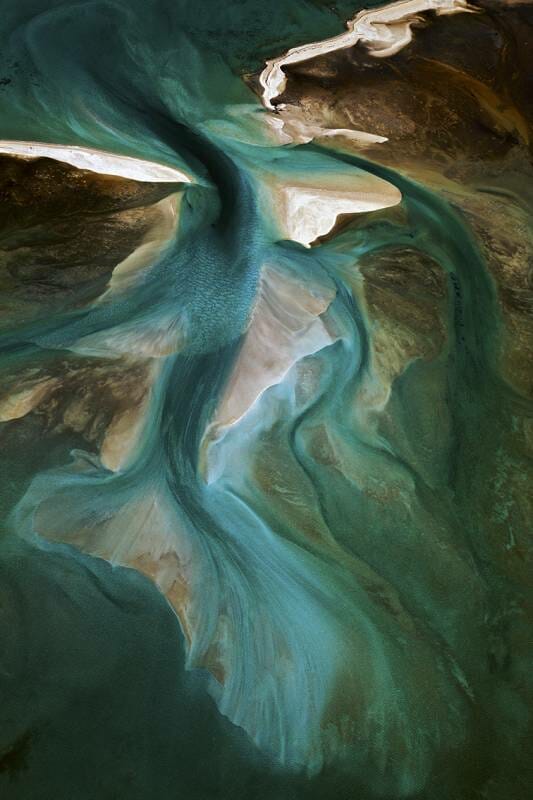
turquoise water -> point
(320, 679)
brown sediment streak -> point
(15, 405)
(100, 161)
(384, 31)
(500, 109)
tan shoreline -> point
(384, 31)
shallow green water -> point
(105, 665)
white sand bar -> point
(100, 161)
(384, 31)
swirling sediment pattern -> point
(257, 378)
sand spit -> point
(384, 31)
(100, 161)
